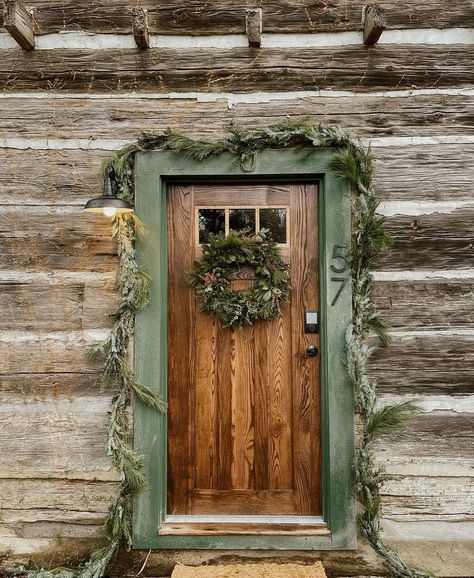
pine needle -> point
(391, 418)
(148, 396)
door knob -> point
(311, 351)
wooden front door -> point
(244, 404)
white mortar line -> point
(430, 402)
(402, 36)
(90, 41)
(424, 275)
(413, 334)
(416, 208)
(398, 141)
(387, 209)
(235, 99)
(99, 334)
(44, 209)
(431, 530)
(61, 336)
(24, 143)
(19, 276)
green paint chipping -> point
(236, 155)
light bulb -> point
(109, 211)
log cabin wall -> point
(84, 91)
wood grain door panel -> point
(244, 404)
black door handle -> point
(311, 351)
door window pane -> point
(242, 219)
(275, 221)
(210, 221)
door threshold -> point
(200, 525)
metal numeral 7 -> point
(342, 282)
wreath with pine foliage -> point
(221, 256)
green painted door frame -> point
(154, 170)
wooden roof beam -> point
(19, 23)
(253, 26)
(140, 27)
(373, 23)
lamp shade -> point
(108, 203)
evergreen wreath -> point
(221, 255)
(351, 161)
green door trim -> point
(153, 170)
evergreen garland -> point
(352, 162)
(221, 255)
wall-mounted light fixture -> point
(108, 204)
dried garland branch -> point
(352, 162)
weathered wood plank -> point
(56, 438)
(236, 529)
(42, 239)
(253, 26)
(425, 365)
(71, 177)
(374, 116)
(56, 306)
(385, 67)
(54, 177)
(433, 498)
(38, 385)
(373, 22)
(57, 352)
(140, 27)
(447, 557)
(430, 437)
(227, 16)
(439, 173)
(431, 304)
(19, 23)
(434, 241)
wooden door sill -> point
(178, 526)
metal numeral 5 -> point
(338, 253)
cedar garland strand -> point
(352, 161)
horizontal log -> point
(57, 305)
(438, 173)
(40, 385)
(62, 304)
(41, 240)
(49, 552)
(79, 117)
(384, 67)
(431, 443)
(63, 437)
(434, 241)
(57, 352)
(56, 438)
(227, 16)
(49, 177)
(71, 177)
(57, 495)
(446, 557)
(433, 498)
(45, 238)
(432, 364)
(431, 304)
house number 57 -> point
(340, 265)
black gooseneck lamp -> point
(108, 204)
